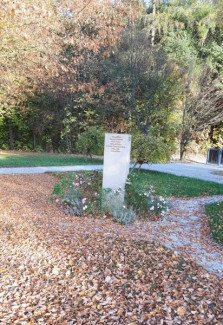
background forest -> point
(70, 68)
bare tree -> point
(202, 109)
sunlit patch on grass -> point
(43, 159)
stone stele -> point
(116, 160)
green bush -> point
(123, 215)
(149, 149)
(81, 194)
(91, 142)
(111, 202)
(142, 196)
(77, 192)
(69, 196)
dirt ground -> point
(60, 269)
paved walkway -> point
(41, 170)
(200, 171)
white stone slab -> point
(116, 160)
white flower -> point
(152, 208)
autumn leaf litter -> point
(59, 269)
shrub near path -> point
(58, 269)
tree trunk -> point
(153, 26)
(34, 141)
(185, 134)
(11, 134)
(185, 139)
(69, 143)
(182, 147)
(182, 140)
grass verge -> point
(215, 213)
(43, 159)
(170, 185)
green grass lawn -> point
(167, 185)
(43, 159)
(170, 185)
(215, 213)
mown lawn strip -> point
(215, 213)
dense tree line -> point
(152, 69)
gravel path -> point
(185, 230)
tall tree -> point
(191, 33)
(28, 40)
(143, 78)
